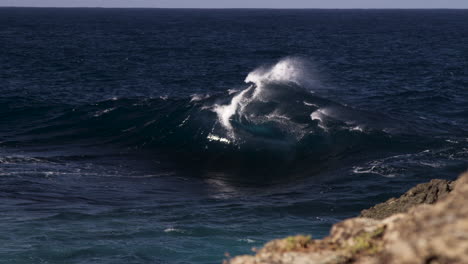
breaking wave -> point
(276, 124)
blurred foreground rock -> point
(424, 193)
(427, 225)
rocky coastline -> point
(426, 225)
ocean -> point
(185, 135)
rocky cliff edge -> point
(426, 225)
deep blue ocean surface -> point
(175, 136)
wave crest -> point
(279, 102)
(288, 70)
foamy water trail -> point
(225, 112)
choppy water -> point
(174, 136)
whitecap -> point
(212, 137)
(105, 111)
(310, 104)
(184, 121)
(174, 230)
(248, 240)
(287, 71)
(199, 97)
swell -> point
(276, 125)
(190, 133)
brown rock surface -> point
(427, 233)
(424, 193)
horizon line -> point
(247, 8)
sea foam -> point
(288, 72)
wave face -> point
(274, 126)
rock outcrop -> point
(424, 193)
(431, 227)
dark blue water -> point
(174, 136)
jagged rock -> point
(424, 193)
(426, 234)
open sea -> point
(177, 136)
